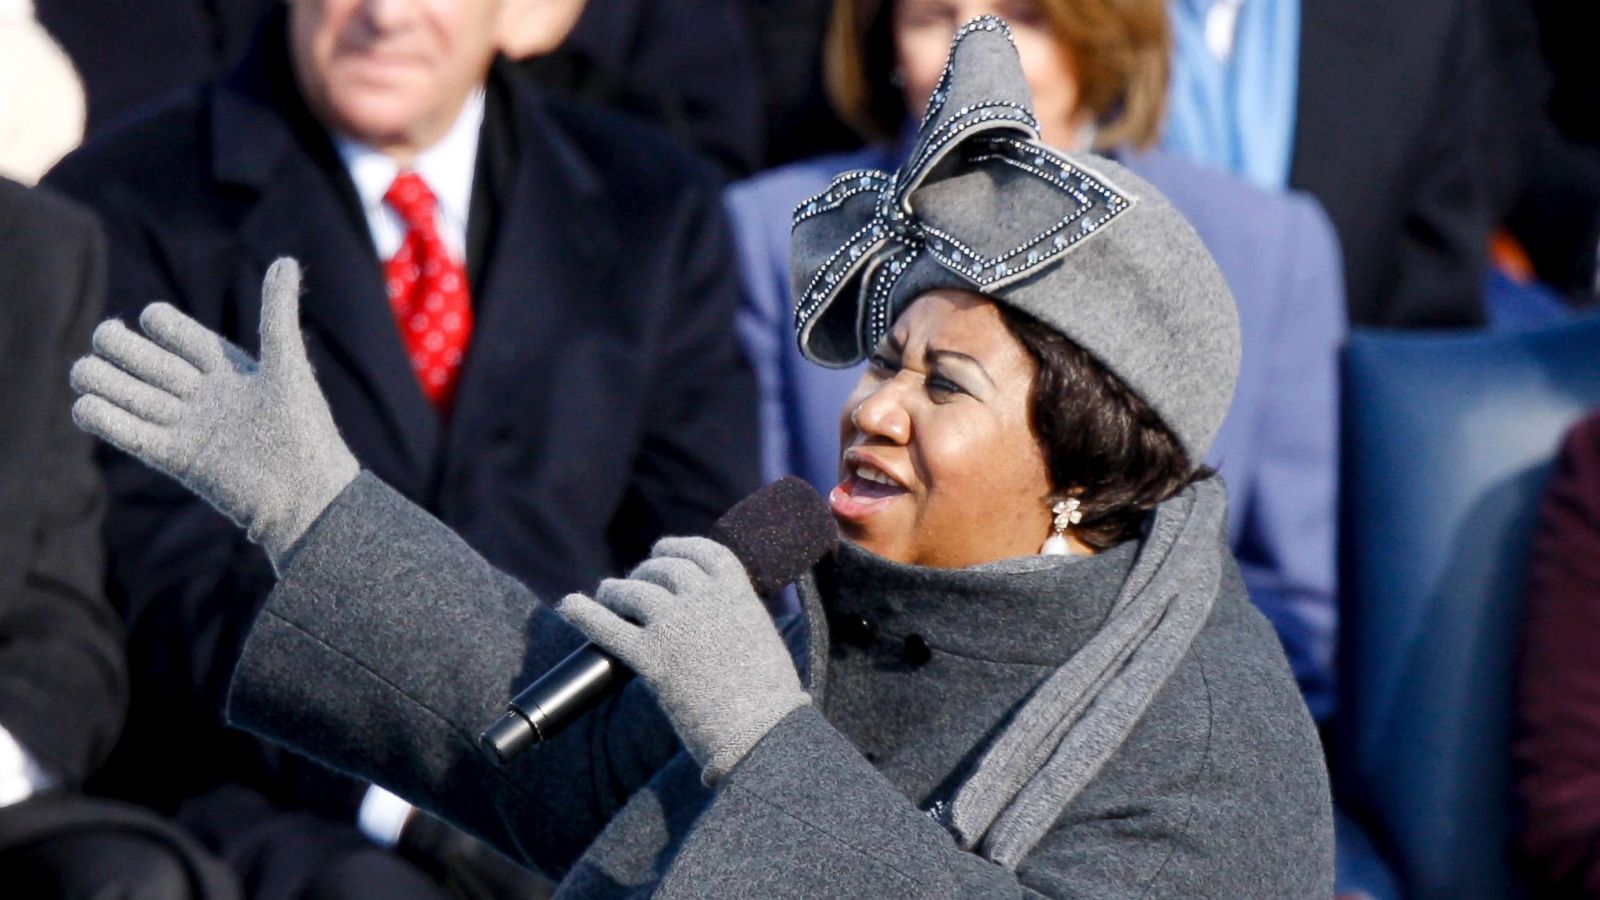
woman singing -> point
(1030, 669)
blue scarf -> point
(1236, 113)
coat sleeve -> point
(389, 645)
(1557, 740)
(63, 682)
(1286, 545)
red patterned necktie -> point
(428, 292)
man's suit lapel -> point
(538, 264)
(304, 207)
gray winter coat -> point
(388, 645)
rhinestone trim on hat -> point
(897, 238)
(941, 89)
(891, 237)
(843, 187)
(1096, 204)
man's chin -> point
(377, 118)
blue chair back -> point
(1446, 443)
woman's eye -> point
(938, 384)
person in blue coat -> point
(1098, 73)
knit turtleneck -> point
(926, 663)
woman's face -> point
(939, 462)
(922, 33)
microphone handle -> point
(777, 532)
(556, 700)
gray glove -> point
(254, 440)
(688, 622)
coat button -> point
(854, 629)
(917, 651)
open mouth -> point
(863, 492)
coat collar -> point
(1035, 610)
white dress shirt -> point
(447, 167)
(20, 775)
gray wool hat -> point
(1077, 242)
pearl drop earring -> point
(1066, 513)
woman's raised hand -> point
(254, 439)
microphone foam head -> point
(778, 532)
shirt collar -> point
(447, 166)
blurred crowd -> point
(548, 298)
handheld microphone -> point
(777, 532)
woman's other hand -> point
(688, 622)
(254, 439)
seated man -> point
(522, 312)
(63, 680)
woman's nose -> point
(881, 414)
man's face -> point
(391, 73)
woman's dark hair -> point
(1102, 443)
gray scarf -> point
(1077, 719)
(1081, 715)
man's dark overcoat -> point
(603, 401)
(63, 679)
(63, 685)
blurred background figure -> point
(1234, 77)
(800, 121)
(1098, 72)
(63, 679)
(480, 348)
(687, 66)
(41, 99)
(1547, 163)
(1557, 747)
(133, 54)
(1380, 110)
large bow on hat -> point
(979, 204)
